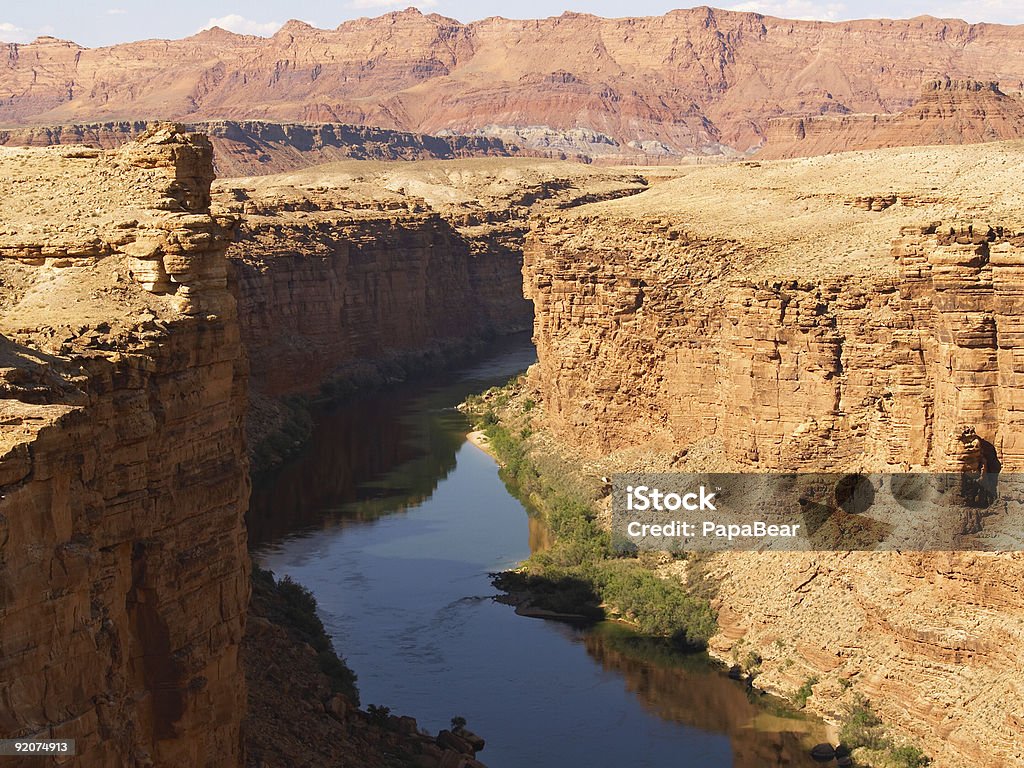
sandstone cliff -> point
(352, 272)
(123, 474)
(852, 312)
(693, 81)
(948, 112)
(251, 147)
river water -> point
(394, 522)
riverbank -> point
(398, 544)
(579, 576)
(661, 596)
(303, 702)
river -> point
(394, 521)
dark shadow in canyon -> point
(378, 453)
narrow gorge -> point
(138, 314)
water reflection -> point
(406, 598)
(686, 688)
(379, 454)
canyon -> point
(852, 313)
(849, 312)
(355, 273)
(149, 319)
(691, 83)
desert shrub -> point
(378, 715)
(293, 606)
(908, 757)
(861, 726)
(752, 662)
(657, 606)
(805, 691)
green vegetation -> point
(378, 715)
(908, 757)
(805, 691)
(565, 595)
(862, 727)
(458, 723)
(580, 573)
(752, 663)
(292, 606)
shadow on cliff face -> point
(31, 376)
(156, 669)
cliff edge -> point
(123, 474)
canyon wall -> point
(251, 147)
(851, 313)
(689, 83)
(947, 112)
(123, 473)
(356, 272)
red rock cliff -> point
(123, 474)
(852, 313)
(355, 270)
(697, 80)
(947, 112)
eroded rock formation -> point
(693, 81)
(123, 472)
(354, 271)
(948, 112)
(252, 147)
(851, 313)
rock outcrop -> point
(352, 272)
(847, 313)
(253, 147)
(123, 471)
(948, 112)
(691, 82)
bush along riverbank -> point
(578, 577)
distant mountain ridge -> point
(257, 147)
(695, 81)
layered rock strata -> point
(852, 313)
(251, 147)
(355, 271)
(691, 82)
(947, 112)
(123, 472)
